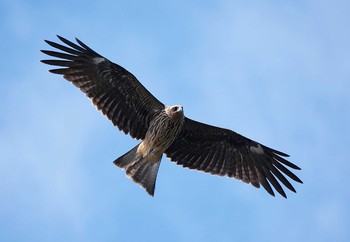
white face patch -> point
(178, 108)
(174, 110)
(258, 150)
(98, 60)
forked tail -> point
(140, 169)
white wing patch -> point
(258, 150)
(98, 60)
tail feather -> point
(140, 169)
(128, 158)
(144, 173)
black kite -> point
(164, 129)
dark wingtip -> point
(297, 179)
(60, 37)
(275, 151)
(296, 167)
(281, 153)
(47, 62)
(284, 195)
(43, 51)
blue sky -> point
(277, 72)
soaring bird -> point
(164, 129)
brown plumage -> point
(165, 129)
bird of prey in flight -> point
(165, 129)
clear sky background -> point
(275, 71)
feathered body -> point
(164, 129)
(142, 162)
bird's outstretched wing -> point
(223, 152)
(112, 89)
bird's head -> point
(175, 111)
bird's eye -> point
(175, 109)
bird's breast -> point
(162, 132)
